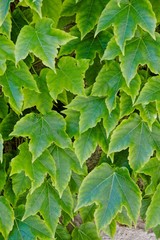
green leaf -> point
(42, 99)
(125, 104)
(2, 178)
(36, 5)
(7, 125)
(52, 9)
(6, 217)
(152, 168)
(125, 19)
(67, 202)
(20, 183)
(46, 201)
(1, 148)
(62, 233)
(88, 12)
(131, 133)
(87, 142)
(66, 161)
(37, 170)
(133, 55)
(30, 228)
(13, 81)
(153, 211)
(108, 83)
(43, 130)
(91, 109)
(110, 190)
(42, 40)
(150, 92)
(87, 213)
(88, 47)
(148, 113)
(4, 8)
(86, 231)
(6, 52)
(72, 120)
(6, 26)
(64, 78)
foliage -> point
(79, 117)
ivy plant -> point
(79, 117)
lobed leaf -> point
(125, 17)
(42, 40)
(109, 189)
(43, 131)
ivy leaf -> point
(42, 99)
(6, 26)
(86, 231)
(88, 47)
(52, 9)
(30, 228)
(46, 201)
(150, 92)
(108, 83)
(42, 40)
(110, 189)
(6, 52)
(6, 217)
(43, 130)
(88, 12)
(36, 5)
(62, 233)
(131, 133)
(153, 212)
(87, 142)
(20, 183)
(1, 148)
(37, 170)
(66, 161)
(152, 168)
(4, 8)
(72, 122)
(125, 105)
(125, 19)
(72, 81)
(133, 57)
(67, 202)
(148, 113)
(13, 80)
(91, 109)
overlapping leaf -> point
(6, 52)
(66, 161)
(37, 170)
(46, 201)
(125, 19)
(42, 99)
(88, 12)
(13, 80)
(87, 142)
(6, 217)
(110, 190)
(36, 5)
(21, 183)
(140, 50)
(4, 8)
(150, 92)
(43, 130)
(6, 26)
(108, 83)
(88, 47)
(86, 231)
(91, 109)
(30, 228)
(42, 40)
(132, 133)
(64, 78)
(152, 168)
(153, 211)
